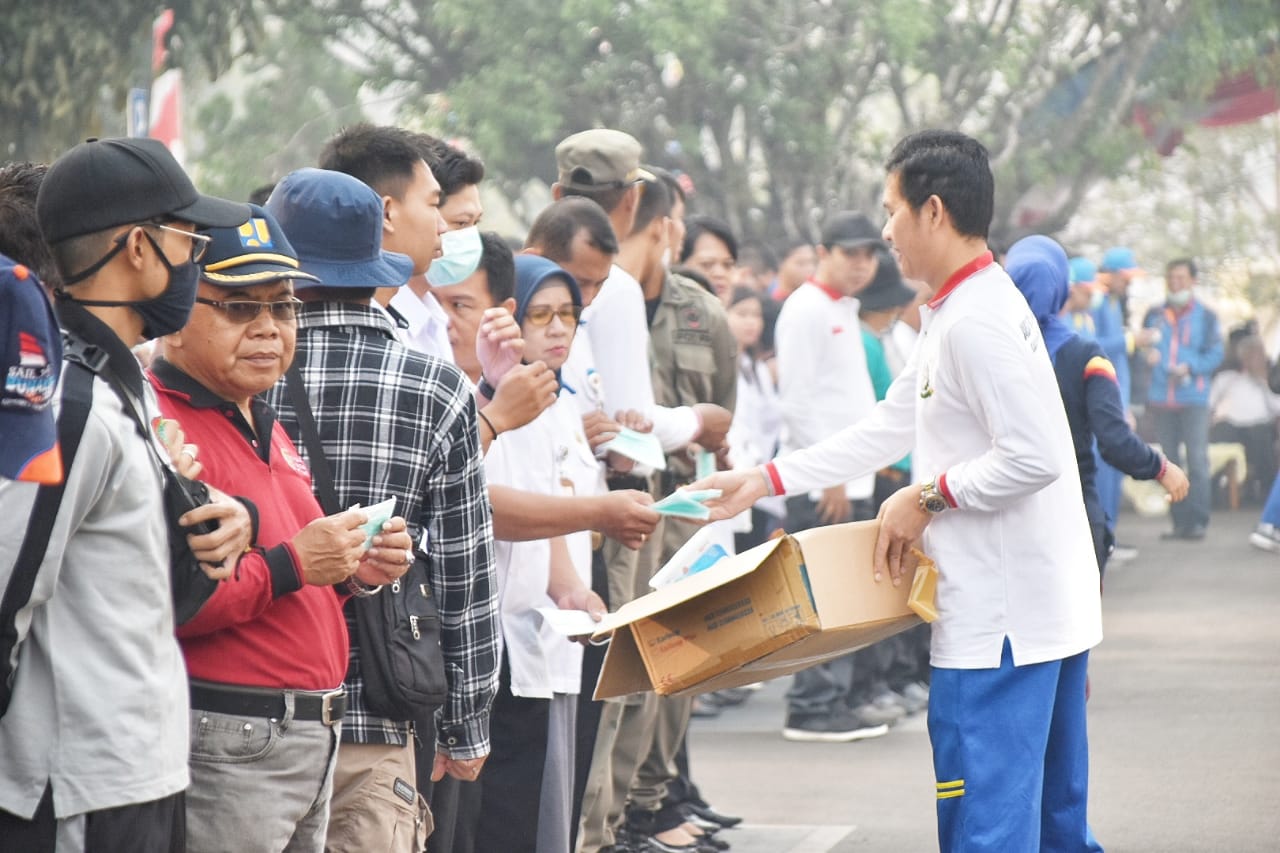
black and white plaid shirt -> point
(396, 422)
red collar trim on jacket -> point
(958, 277)
(831, 292)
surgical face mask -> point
(461, 250)
(1096, 300)
(1180, 298)
(164, 314)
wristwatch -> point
(931, 500)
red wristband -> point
(945, 490)
(774, 478)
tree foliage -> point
(68, 65)
(782, 110)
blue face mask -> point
(1096, 300)
(1180, 298)
(462, 250)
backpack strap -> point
(321, 474)
(76, 401)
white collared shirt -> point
(618, 327)
(823, 383)
(538, 458)
(978, 407)
(428, 330)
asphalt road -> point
(1184, 724)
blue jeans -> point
(1011, 757)
(1271, 510)
(1183, 432)
(1108, 482)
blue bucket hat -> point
(253, 253)
(334, 222)
(30, 361)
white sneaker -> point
(1266, 537)
(1123, 554)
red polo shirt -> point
(264, 627)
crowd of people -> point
(217, 636)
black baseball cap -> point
(105, 183)
(850, 230)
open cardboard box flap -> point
(724, 571)
(825, 573)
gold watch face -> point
(934, 502)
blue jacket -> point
(1191, 337)
(1086, 378)
(1109, 331)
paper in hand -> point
(643, 447)
(571, 623)
(379, 514)
(683, 503)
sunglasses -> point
(242, 311)
(540, 315)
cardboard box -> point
(780, 607)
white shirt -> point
(428, 330)
(618, 328)
(579, 467)
(823, 381)
(757, 423)
(1242, 400)
(535, 458)
(979, 403)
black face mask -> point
(161, 315)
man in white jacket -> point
(999, 510)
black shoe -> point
(1194, 533)
(836, 727)
(701, 809)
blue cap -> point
(1083, 271)
(334, 222)
(253, 253)
(1119, 259)
(31, 361)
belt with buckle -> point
(327, 707)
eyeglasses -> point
(242, 311)
(199, 242)
(540, 315)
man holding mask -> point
(268, 652)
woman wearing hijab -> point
(1090, 392)
(527, 785)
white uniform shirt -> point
(618, 328)
(534, 458)
(428, 330)
(823, 383)
(580, 471)
(979, 407)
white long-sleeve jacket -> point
(978, 407)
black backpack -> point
(191, 587)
